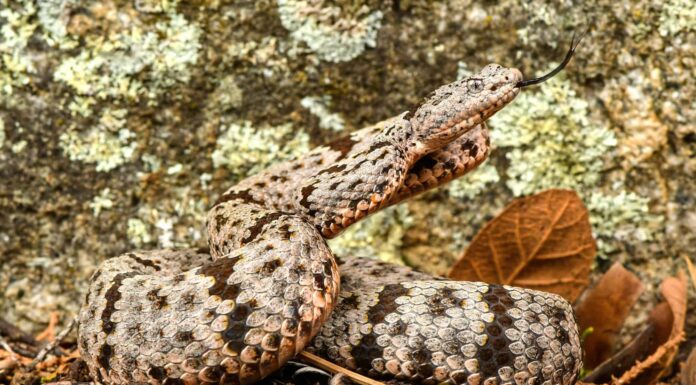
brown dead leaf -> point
(605, 307)
(542, 242)
(688, 373)
(649, 356)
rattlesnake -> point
(236, 312)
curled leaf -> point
(542, 242)
(649, 356)
(605, 307)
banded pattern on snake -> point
(268, 283)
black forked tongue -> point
(573, 45)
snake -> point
(267, 286)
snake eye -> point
(475, 85)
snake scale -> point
(268, 285)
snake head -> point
(456, 108)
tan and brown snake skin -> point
(268, 283)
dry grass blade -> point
(49, 334)
(542, 242)
(333, 368)
(604, 308)
(692, 270)
(632, 375)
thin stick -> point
(16, 334)
(7, 347)
(333, 368)
(691, 268)
(52, 345)
(640, 366)
(50, 332)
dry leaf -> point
(49, 334)
(604, 308)
(650, 355)
(542, 242)
(688, 373)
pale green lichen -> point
(19, 146)
(624, 217)
(136, 63)
(228, 95)
(138, 232)
(550, 142)
(333, 36)
(246, 150)
(54, 16)
(108, 145)
(319, 107)
(378, 236)
(16, 29)
(474, 183)
(677, 16)
(103, 201)
(2, 132)
(166, 227)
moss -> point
(246, 150)
(378, 236)
(319, 107)
(108, 145)
(328, 31)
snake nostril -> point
(494, 88)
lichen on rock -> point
(550, 142)
(327, 31)
(474, 183)
(108, 145)
(16, 28)
(136, 63)
(378, 236)
(244, 149)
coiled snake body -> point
(268, 284)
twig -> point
(333, 368)
(50, 332)
(52, 344)
(6, 346)
(16, 334)
(691, 268)
(640, 366)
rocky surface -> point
(121, 121)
